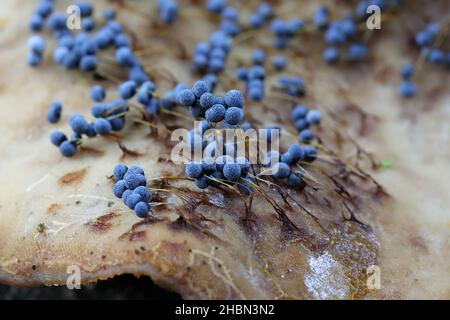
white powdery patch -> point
(327, 279)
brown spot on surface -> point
(384, 74)
(193, 227)
(173, 248)
(102, 224)
(73, 177)
(137, 231)
(126, 152)
(41, 227)
(173, 257)
(53, 208)
(418, 243)
(137, 236)
(92, 151)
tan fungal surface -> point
(314, 243)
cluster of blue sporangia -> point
(168, 10)
(261, 16)
(81, 56)
(213, 170)
(280, 166)
(131, 187)
(224, 165)
(54, 112)
(216, 109)
(203, 104)
(254, 76)
(407, 88)
(341, 31)
(211, 56)
(284, 31)
(337, 34)
(223, 169)
(109, 117)
(361, 8)
(36, 45)
(80, 50)
(304, 119)
(425, 40)
(279, 62)
(229, 24)
(216, 6)
(291, 85)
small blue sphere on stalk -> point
(233, 115)
(279, 62)
(216, 6)
(78, 123)
(313, 117)
(98, 93)
(407, 89)
(216, 113)
(36, 23)
(37, 44)
(232, 171)
(124, 56)
(127, 89)
(199, 88)
(88, 63)
(168, 10)
(202, 182)
(281, 170)
(295, 180)
(357, 51)
(310, 153)
(132, 181)
(231, 14)
(194, 170)
(57, 138)
(306, 135)
(234, 98)
(119, 171)
(68, 149)
(132, 200)
(54, 112)
(258, 57)
(408, 71)
(321, 17)
(109, 14)
(436, 56)
(142, 209)
(145, 194)
(331, 55)
(102, 126)
(186, 97)
(119, 188)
